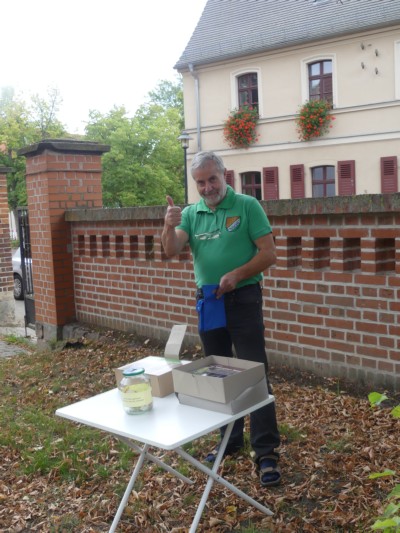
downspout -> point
(197, 96)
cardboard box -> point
(159, 368)
(222, 384)
(256, 393)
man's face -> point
(210, 183)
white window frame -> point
(305, 81)
(234, 87)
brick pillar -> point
(7, 305)
(60, 174)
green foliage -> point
(168, 95)
(21, 125)
(145, 159)
(44, 113)
(389, 521)
(376, 398)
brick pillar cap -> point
(69, 146)
(6, 170)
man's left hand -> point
(227, 283)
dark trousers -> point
(245, 332)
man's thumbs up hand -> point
(173, 216)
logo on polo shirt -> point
(232, 223)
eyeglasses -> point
(216, 234)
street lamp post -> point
(185, 138)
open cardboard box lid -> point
(159, 368)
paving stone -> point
(9, 349)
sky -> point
(97, 53)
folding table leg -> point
(156, 460)
(129, 488)
(214, 476)
(210, 480)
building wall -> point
(366, 108)
(331, 303)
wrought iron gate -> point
(26, 266)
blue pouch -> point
(211, 310)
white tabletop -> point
(168, 425)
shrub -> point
(389, 521)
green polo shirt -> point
(223, 240)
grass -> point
(45, 443)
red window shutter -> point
(271, 183)
(346, 178)
(230, 178)
(297, 181)
(389, 180)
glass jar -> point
(135, 390)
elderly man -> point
(231, 241)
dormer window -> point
(320, 80)
(248, 89)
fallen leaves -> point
(332, 442)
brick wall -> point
(59, 175)
(331, 304)
(7, 307)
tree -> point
(44, 113)
(169, 95)
(22, 125)
(145, 160)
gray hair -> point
(202, 158)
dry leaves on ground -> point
(331, 441)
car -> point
(17, 272)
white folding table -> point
(168, 426)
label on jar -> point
(137, 396)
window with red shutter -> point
(389, 178)
(251, 184)
(230, 178)
(297, 181)
(346, 178)
(271, 183)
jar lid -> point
(133, 371)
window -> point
(323, 181)
(248, 89)
(320, 80)
(251, 184)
